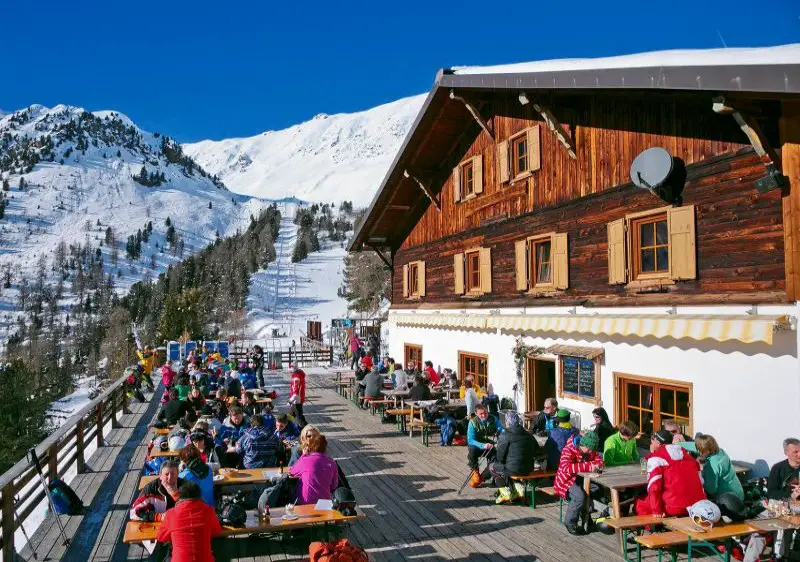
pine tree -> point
(210, 206)
(168, 222)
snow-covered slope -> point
(70, 176)
(330, 158)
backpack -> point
(338, 551)
(447, 430)
(65, 500)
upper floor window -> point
(519, 156)
(542, 263)
(653, 247)
(414, 280)
(472, 272)
(468, 179)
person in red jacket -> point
(190, 526)
(431, 373)
(297, 396)
(579, 455)
(673, 479)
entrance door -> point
(540, 383)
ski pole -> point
(469, 476)
(24, 532)
(35, 460)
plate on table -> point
(219, 477)
(290, 517)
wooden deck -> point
(406, 490)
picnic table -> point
(231, 477)
(700, 538)
(159, 453)
(265, 400)
(307, 516)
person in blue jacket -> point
(482, 432)
(285, 429)
(195, 470)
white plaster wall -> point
(746, 395)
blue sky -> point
(239, 67)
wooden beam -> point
(475, 114)
(553, 124)
(383, 258)
(424, 188)
(749, 127)
(399, 207)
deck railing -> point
(58, 454)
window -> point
(650, 402)
(476, 365)
(468, 179)
(580, 379)
(472, 272)
(519, 155)
(413, 288)
(412, 356)
(652, 247)
(542, 263)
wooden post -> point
(99, 423)
(9, 552)
(290, 357)
(80, 458)
(113, 402)
(124, 394)
(52, 461)
(330, 356)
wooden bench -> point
(550, 491)
(400, 414)
(424, 427)
(634, 524)
(661, 542)
(376, 404)
(529, 481)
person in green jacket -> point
(719, 476)
(183, 387)
(620, 447)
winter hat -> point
(664, 437)
(563, 415)
(590, 440)
(512, 418)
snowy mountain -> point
(69, 175)
(329, 158)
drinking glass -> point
(643, 466)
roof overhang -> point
(773, 81)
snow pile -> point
(782, 54)
(330, 158)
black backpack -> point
(65, 500)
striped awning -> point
(442, 320)
(744, 328)
(575, 351)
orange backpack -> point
(336, 551)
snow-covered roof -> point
(781, 54)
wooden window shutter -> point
(457, 184)
(405, 281)
(502, 162)
(534, 149)
(421, 278)
(560, 261)
(458, 273)
(486, 269)
(616, 252)
(477, 173)
(521, 253)
(682, 251)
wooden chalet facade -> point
(510, 213)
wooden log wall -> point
(740, 244)
(609, 132)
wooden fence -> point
(58, 454)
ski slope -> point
(286, 295)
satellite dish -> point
(651, 168)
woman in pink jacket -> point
(317, 472)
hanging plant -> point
(523, 351)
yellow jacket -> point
(147, 360)
(478, 391)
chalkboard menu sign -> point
(577, 377)
(570, 375)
